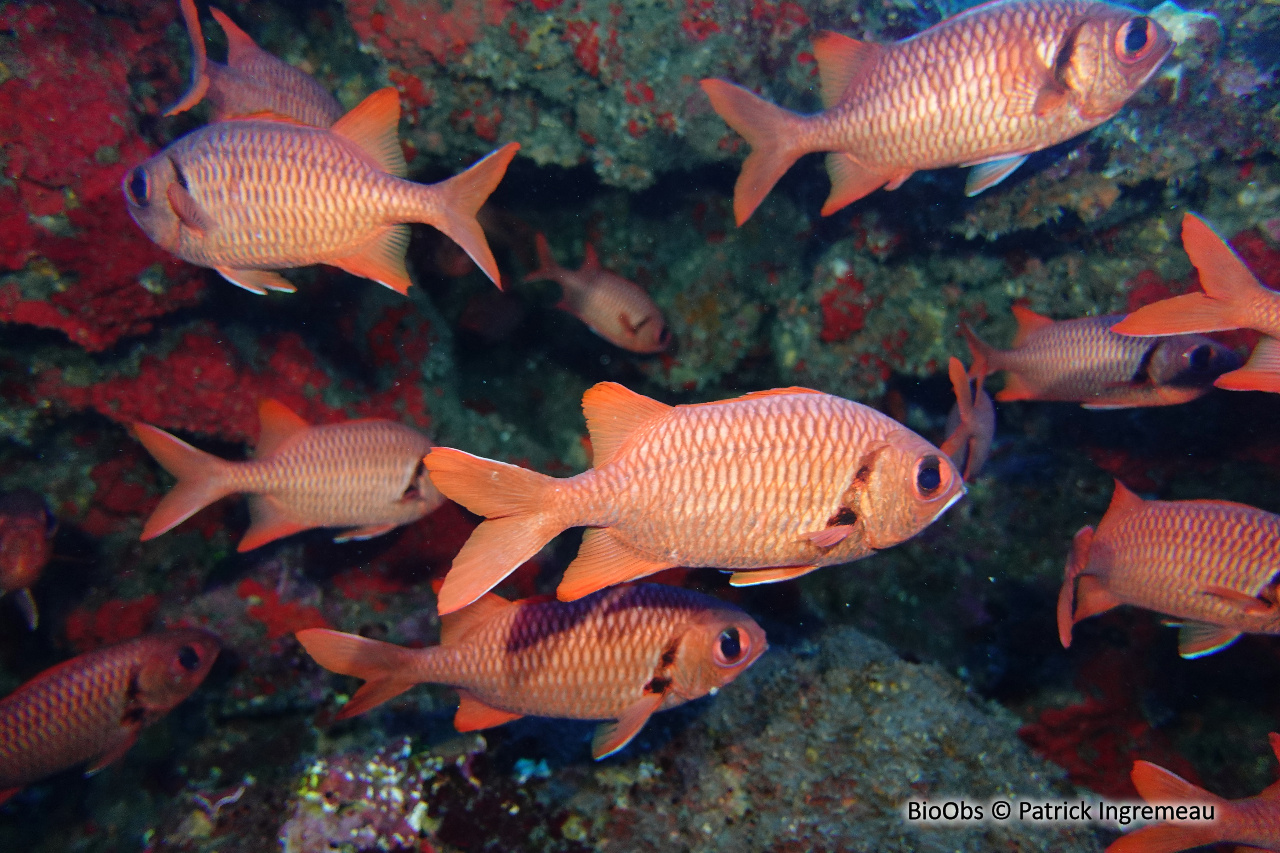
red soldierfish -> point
(985, 88)
(1254, 821)
(92, 707)
(971, 424)
(253, 81)
(615, 309)
(27, 526)
(250, 196)
(619, 655)
(366, 475)
(1084, 361)
(771, 485)
(1233, 299)
(1211, 566)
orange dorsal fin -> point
(960, 385)
(614, 413)
(1029, 322)
(240, 47)
(768, 392)
(590, 259)
(841, 60)
(266, 115)
(278, 424)
(1123, 502)
(474, 715)
(373, 125)
(455, 626)
(547, 266)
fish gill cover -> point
(822, 740)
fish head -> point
(1108, 56)
(146, 194)
(900, 487)
(174, 665)
(1189, 361)
(717, 646)
(27, 528)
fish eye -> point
(1134, 39)
(189, 658)
(137, 187)
(929, 476)
(730, 648)
(1201, 357)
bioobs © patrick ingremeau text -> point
(1111, 812)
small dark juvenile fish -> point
(92, 707)
(618, 655)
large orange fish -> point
(1083, 361)
(615, 309)
(1254, 821)
(365, 475)
(253, 81)
(985, 88)
(250, 196)
(1212, 566)
(92, 707)
(1233, 299)
(771, 485)
(619, 655)
(27, 526)
(971, 424)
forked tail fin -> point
(520, 520)
(1157, 785)
(462, 196)
(199, 60)
(387, 669)
(201, 479)
(769, 129)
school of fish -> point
(768, 486)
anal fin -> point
(850, 181)
(754, 577)
(474, 715)
(1092, 598)
(269, 522)
(257, 281)
(1015, 388)
(613, 736)
(381, 259)
(603, 561)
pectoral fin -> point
(1197, 639)
(613, 736)
(1247, 603)
(755, 577)
(987, 175)
(189, 213)
(367, 532)
(125, 741)
(829, 537)
(257, 281)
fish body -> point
(250, 196)
(1252, 821)
(985, 88)
(252, 82)
(1084, 361)
(1233, 298)
(92, 707)
(771, 485)
(27, 527)
(971, 423)
(1211, 566)
(615, 309)
(364, 475)
(618, 655)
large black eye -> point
(1133, 39)
(929, 476)
(1201, 357)
(138, 187)
(729, 646)
(189, 658)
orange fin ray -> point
(850, 181)
(1077, 562)
(548, 267)
(473, 715)
(125, 740)
(277, 423)
(201, 479)
(1247, 603)
(455, 626)
(755, 577)
(829, 537)
(614, 413)
(381, 259)
(1029, 322)
(603, 561)
(199, 61)
(1199, 639)
(984, 176)
(1260, 373)
(1163, 838)
(269, 521)
(841, 61)
(388, 670)
(1186, 314)
(770, 130)
(462, 196)
(613, 736)
(257, 281)
(373, 125)
(1016, 388)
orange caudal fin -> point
(199, 60)
(770, 130)
(463, 196)
(387, 669)
(201, 479)
(520, 522)
(1164, 838)
(1260, 373)
(548, 268)
(1159, 786)
(1229, 289)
